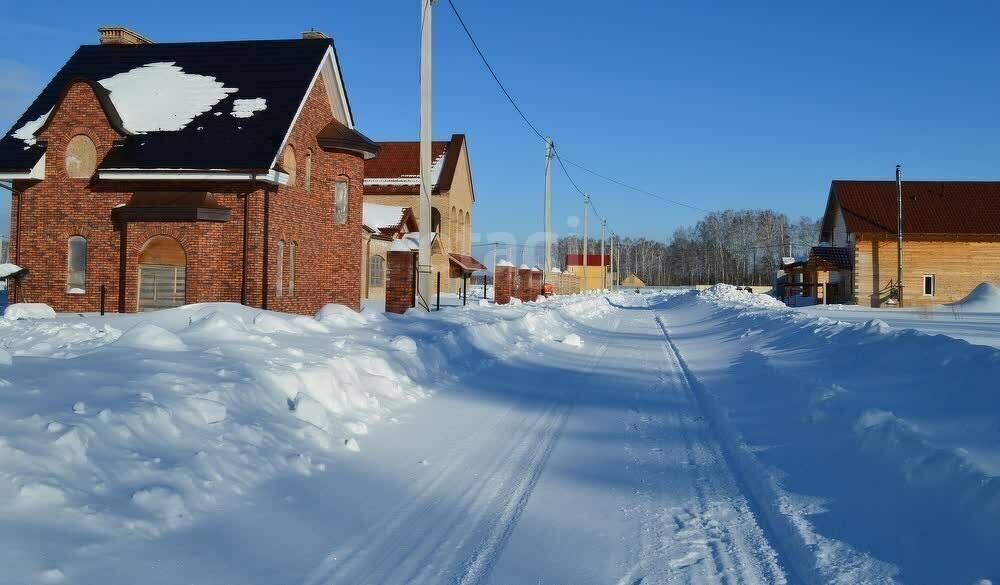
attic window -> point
(81, 157)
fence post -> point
(439, 292)
(102, 300)
(401, 278)
(503, 280)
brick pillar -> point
(400, 282)
(536, 283)
(524, 275)
(503, 283)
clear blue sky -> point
(720, 104)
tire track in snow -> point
(458, 536)
(762, 547)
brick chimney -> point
(119, 35)
(313, 34)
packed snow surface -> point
(624, 438)
(162, 96)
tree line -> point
(734, 246)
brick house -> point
(393, 178)
(951, 242)
(179, 173)
(381, 224)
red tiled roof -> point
(929, 207)
(467, 263)
(592, 260)
(402, 159)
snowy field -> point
(665, 437)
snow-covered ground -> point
(628, 438)
(975, 319)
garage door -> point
(161, 287)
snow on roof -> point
(399, 246)
(413, 239)
(505, 263)
(6, 269)
(436, 167)
(162, 97)
(379, 217)
(244, 108)
(27, 132)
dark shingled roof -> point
(402, 159)
(279, 71)
(836, 257)
(966, 208)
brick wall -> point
(401, 281)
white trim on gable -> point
(336, 96)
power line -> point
(637, 189)
(492, 72)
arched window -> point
(162, 275)
(291, 268)
(307, 178)
(340, 201)
(288, 162)
(468, 233)
(435, 219)
(453, 232)
(76, 266)
(281, 267)
(81, 157)
(376, 271)
(459, 244)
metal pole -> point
(586, 235)
(424, 253)
(612, 283)
(899, 236)
(465, 287)
(494, 270)
(439, 292)
(548, 208)
(604, 274)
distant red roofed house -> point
(393, 178)
(590, 279)
(951, 242)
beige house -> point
(591, 278)
(393, 179)
(951, 242)
(381, 224)
(632, 281)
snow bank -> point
(849, 435)
(135, 426)
(29, 311)
(985, 298)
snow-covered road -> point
(562, 465)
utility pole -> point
(612, 284)
(604, 273)
(586, 235)
(548, 209)
(899, 236)
(424, 252)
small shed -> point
(632, 280)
